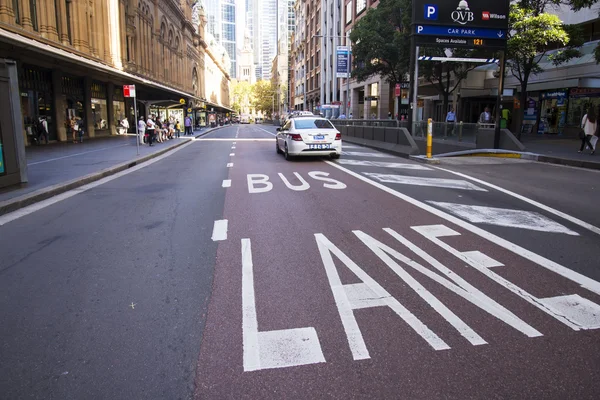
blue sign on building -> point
(342, 64)
(460, 32)
(430, 12)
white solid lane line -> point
(219, 230)
(202, 139)
(417, 181)
(504, 217)
(543, 262)
(226, 183)
(363, 154)
(270, 133)
(539, 205)
(382, 164)
(4, 219)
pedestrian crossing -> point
(407, 174)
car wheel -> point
(286, 154)
(277, 147)
(335, 156)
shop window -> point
(99, 106)
(580, 101)
(119, 111)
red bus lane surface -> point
(335, 288)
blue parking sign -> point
(430, 12)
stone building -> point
(74, 56)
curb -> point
(425, 160)
(524, 156)
(28, 199)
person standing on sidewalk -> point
(450, 120)
(188, 125)
(141, 127)
(150, 126)
(589, 125)
(177, 128)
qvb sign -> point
(480, 14)
(457, 23)
(342, 64)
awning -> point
(46, 49)
(208, 103)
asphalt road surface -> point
(220, 270)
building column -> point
(87, 104)
(110, 108)
(63, 29)
(25, 15)
(383, 105)
(60, 106)
(7, 15)
(367, 104)
(47, 20)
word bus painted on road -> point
(260, 183)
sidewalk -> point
(58, 167)
(560, 150)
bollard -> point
(429, 136)
(460, 128)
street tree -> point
(241, 96)
(263, 93)
(381, 42)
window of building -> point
(348, 12)
(33, 11)
(99, 106)
(16, 11)
(69, 30)
(361, 5)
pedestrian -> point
(389, 115)
(124, 126)
(42, 129)
(142, 129)
(588, 126)
(486, 116)
(350, 115)
(187, 122)
(177, 128)
(450, 120)
(81, 130)
(150, 128)
(74, 129)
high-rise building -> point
(262, 25)
(221, 24)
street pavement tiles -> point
(363, 163)
(504, 217)
(417, 181)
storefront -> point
(72, 89)
(200, 118)
(36, 94)
(119, 112)
(553, 111)
(580, 101)
(100, 109)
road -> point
(220, 270)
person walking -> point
(142, 129)
(74, 129)
(588, 125)
(486, 116)
(187, 122)
(42, 129)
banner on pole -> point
(342, 65)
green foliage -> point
(241, 95)
(263, 93)
(381, 42)
(530, 36)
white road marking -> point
(363, 154)
(229, 165)
(482, 259)
(381, 164)
(460, 286)
(576, 308)
(382, 252)
(75, 155)
(227, 183)
(543, 262)
(546, 306)
(231, 154)
(219, 230)
(232, 147)
(303, 184)
(6, 218)
(258, 179)
(544, 207)
(417, 181)
(234, 142)
(322, 176)
(350, 146)
(270, 133)
(504, 217)
(272, 349)
(367, 293)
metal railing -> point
(458, 131)
(390, 123)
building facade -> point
(221, 24)
(74, 56)
(306, 55)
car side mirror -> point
(278, 129)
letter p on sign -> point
(431, 12)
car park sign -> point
(461, 23)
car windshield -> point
(309, 123)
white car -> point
(308, 136)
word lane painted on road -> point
(301, 346)
(261, 183)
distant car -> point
(308, 136)
(245, 119)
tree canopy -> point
(263, 96)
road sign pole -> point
(415, 90)
(137, 132)
(499, 100)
